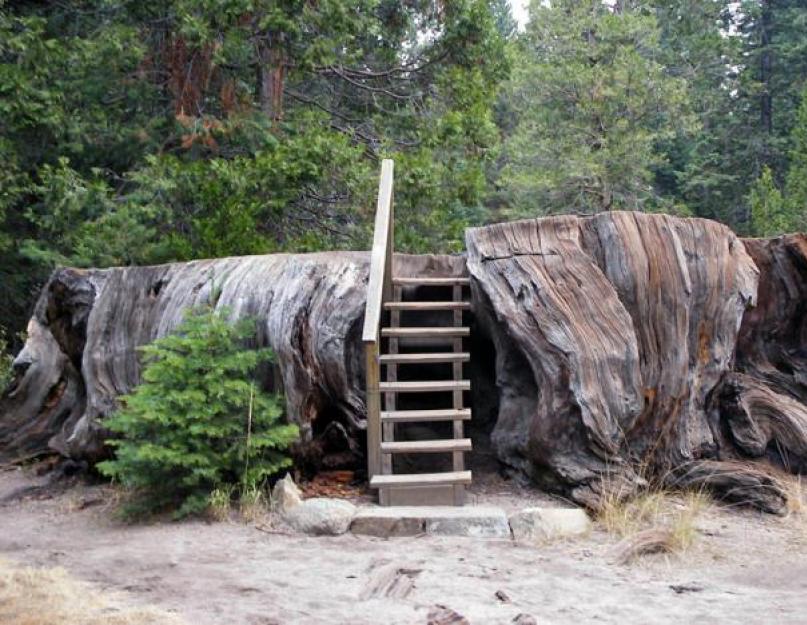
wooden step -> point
(427, 332)
(425, 416)
(441, 281)
(421, 359)
(427, 305)
(421, 479)
(431, 386)
(447, 445)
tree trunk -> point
(627, 350)
(613, 334)
(81, 352)
(189, 72)
(763, 403)
(271, 77)
(765, 74)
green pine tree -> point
(773, 211)
(768, 213)
(796, 186)
(592, 103)
(746, 65)
(709, 170)
(198, 421)
(146, 132)
(5, 361)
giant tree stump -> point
(614, 335)
(628, 348)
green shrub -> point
(6, 358)
(198, 422)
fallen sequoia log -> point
(81, 352)
(628, 348)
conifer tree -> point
(199, 421)
(146, 132)
(773, 211)
(592, 104)
(796, 187)
(769, 215)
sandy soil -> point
(50, 596)
(745, 568)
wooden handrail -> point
(379, 291)
(379, 287)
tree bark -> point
(771, 344)
(766, 73)
(189, 73)
(763, 402)
(613, 335)
(271, 76)
(629, 349)
(81, 353)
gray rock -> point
(535, 525)
(286, 495)
(321, 516)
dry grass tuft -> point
(793, 487)
(31, 596)
(253, 505)
(645, 542)
(625, 517)
(683, 527)
(653, 522)
(796, 494)
(219, 503)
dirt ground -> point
(744, 567)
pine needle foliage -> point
(6, 359)
(198, 421)
(768, 210)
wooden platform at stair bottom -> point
(422, 489)
(421, 479)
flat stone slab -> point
(389, 521)
(537, 525)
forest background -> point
(139, 132)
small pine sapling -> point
(198, 422)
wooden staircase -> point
(428, 358)
(409, 488)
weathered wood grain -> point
(611, 332)
(628, 348)
(761, 423)
(772, 344)
(82, 354)
(764, 404)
